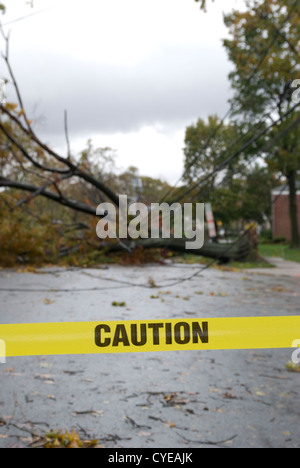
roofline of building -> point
(285, 192)
(284, 189)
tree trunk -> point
(238, 251)
(224, 253)
(295, 240)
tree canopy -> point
(264, 47)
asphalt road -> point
(160, 400)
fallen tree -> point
(224, 253)
(32, 166)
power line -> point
(234, 154)
(230, 110)
(231, 157)
(237, 153)
(126, 284)
(214, 261)
(22, 18)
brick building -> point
(281, 212)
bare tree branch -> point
(6, 58)
(39, 190)
(67, 135)
(35, 139)
(71, 166)
(25, 169)
(27, 155)
(62, 200)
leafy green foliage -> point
(22, 239)
(206, 145)
(264, 48)
(241, 191)
(35, 231)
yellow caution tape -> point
(149, 336)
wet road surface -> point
(161, 400)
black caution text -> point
(156, 334)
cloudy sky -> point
(132, 74)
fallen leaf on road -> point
(229, 396)
(278, 289)
(65, 440)
(291, 367)
(91, 412)
(170, 397)
(48, 301)
(46, 378)
(46, 365)
(144, 434)
(214, 390)
(259, 393)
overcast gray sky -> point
(132, 74)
